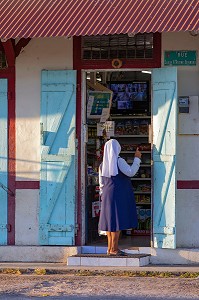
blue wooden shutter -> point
(164, 89)
(3, 161)
(58, 137)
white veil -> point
(111, 152)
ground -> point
(96, 287)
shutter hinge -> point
(9, 227)
(76, 228)
(78, 87)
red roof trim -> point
(47, 18)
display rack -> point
(137, 135)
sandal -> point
(118, 253)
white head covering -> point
(109, 165)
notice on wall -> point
(98, 105)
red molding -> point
(27, 185)
(9, 52)
(187, 184)
(155, 62)
(11, 154)
(22, 43)
(76, 66)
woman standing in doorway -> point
(118, 207)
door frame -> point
(96, 65)
(83, 147)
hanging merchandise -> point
(106, 129)
(98, 105)
(100, 148)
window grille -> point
(123, 46)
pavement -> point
(62, 268)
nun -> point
(118, 207)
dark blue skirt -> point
(118, 207)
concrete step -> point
(103, 250)
(104, 260)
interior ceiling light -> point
(148, 72)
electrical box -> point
(183, 104)
(188, 123)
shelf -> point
(131, 136)
(130, 152)
(141, 203)
(141, 232)
(142, 193)
(130, 117)
(140, 178)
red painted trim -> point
(187, 184)
(27, 185)
(10, 53)
(78, 239)
(22, 43)
(11, 155)
(155, 62)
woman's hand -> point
(138, 153)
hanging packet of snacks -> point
(106, 129)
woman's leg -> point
(109, 241)
(114, 241)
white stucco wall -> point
(44, 53)
(56, 53)
(187, 204)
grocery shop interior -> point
(118, 105)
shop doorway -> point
(130, 116)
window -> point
(139, 46)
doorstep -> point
(104, 260)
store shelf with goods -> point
(141, 232)
(132, 152)
(130, 136)
(129, 117)
(142, 193)
(141, 179)
(131, 131)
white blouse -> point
(129, 170)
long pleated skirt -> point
(118, 207)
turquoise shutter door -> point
(164, 89)
(3, 161)
(58, 137)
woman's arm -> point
(100, 180)
(129, 170)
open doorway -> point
(129, 111)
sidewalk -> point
(62, 268)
